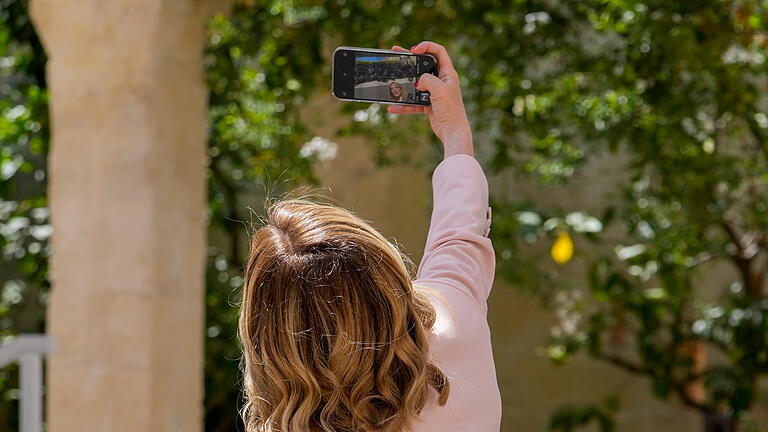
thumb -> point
(430, 83)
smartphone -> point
(374, 75)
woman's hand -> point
(446, 114)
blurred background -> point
(626, 144)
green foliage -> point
(24, 225)
(573, 418)
(675, 89)
(672, 89)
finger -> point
(430, 83)
(444, 64)
(398, 48)
(405, 109)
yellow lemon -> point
(562, 250)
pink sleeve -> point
(458, 251)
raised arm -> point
(458, 252)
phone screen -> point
(381, 76)
(386, 77)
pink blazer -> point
(459, 264)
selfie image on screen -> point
(387, 78)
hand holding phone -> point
(446, 114)
(421, 80)
(372, 75)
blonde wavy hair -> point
(334, 333)
(400, 87)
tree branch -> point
(734, 234)
(233, 213)
(758, 135)
(743, 258)
(682, 392)
(623, 363)
(679, 387)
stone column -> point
(127, 196)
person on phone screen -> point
(336, 335)
(397, 92)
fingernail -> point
(414, 47)
(416, 84)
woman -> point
(397, 91)
(337, 338)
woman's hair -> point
(334, 333)
(398, 85)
